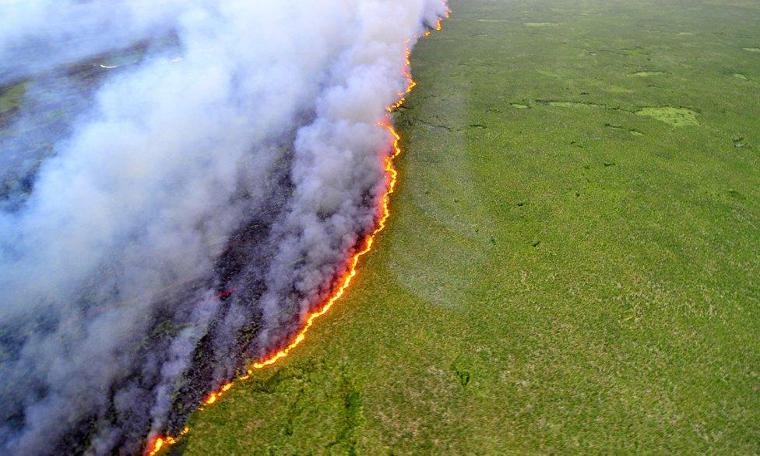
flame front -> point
(345, 280)
(156, 444)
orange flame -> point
(160, 442)
(438, 24)
(156, 444)
(410, 82)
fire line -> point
(159, 443)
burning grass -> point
(555, 282)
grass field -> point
(573, 257)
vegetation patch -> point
(677, 117)
(461, 368)
(647, 74)
(541, 24)
(574, 104)
(752, 49)
(617, 89)
(631, 131)
(739, 142)
(11, 97)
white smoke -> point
(38, 35)
(243, 156)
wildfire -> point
(156, 444)
(410, 83)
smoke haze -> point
(217, 163)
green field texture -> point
(572, 261)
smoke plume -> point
(180, 183)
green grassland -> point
(573, 258)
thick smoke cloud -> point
(198, 203)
